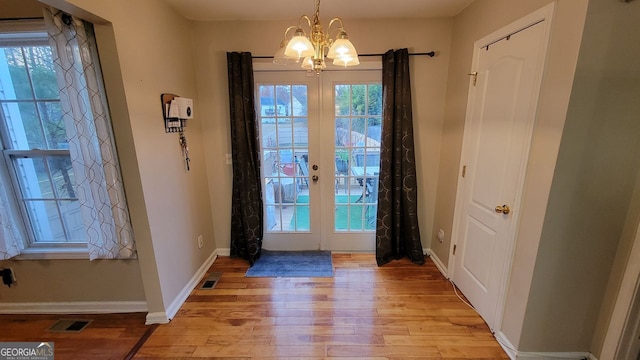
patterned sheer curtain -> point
(91, 146)
(10, 237)
(397, 231)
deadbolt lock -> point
(504, 209)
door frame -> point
(622, 323)
(544, 17)
(325, 230)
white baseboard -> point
(223, 252)
(74, 307)
(515, 354)
(438, 262)
(175, 305)
(554, 355)
(156, 318)
(506, 345)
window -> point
(61, 192)
(34, 141)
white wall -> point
(214, 39)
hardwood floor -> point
(398, 311)
(107, 337)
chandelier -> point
(311, 48)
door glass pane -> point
(358, 132)
(299, 100)
(285, 155)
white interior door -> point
(320, 155)
(500, 116)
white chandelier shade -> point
(312, 48)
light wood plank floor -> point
(398, 311)
(107, 337)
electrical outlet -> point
(441, 235)
(200, 242)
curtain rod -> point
(430, 54)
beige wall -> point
(214, 39)
(146, 50)
(17, 9)
(154, 49)
(568, 24)
(592, 187)
(562, 260)
(67, 280)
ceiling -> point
(224, 10)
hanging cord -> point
(185, 149)
(455, 290)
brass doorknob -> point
(504, 209)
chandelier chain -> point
(316, 16)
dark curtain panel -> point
(246, 203)
(397, 232)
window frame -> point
(25, 33)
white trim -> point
(74, 307)
(514, 354)
(175, 305)
(22, 26)
(223, 252)
(554, 355)
(439, 264)
(545, 13)
(61, 253)
(624, 302)
(506, 345)
(156, 318)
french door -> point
(320, 155)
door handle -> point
(504, 209)
(314, 178)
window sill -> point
(53, 254)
